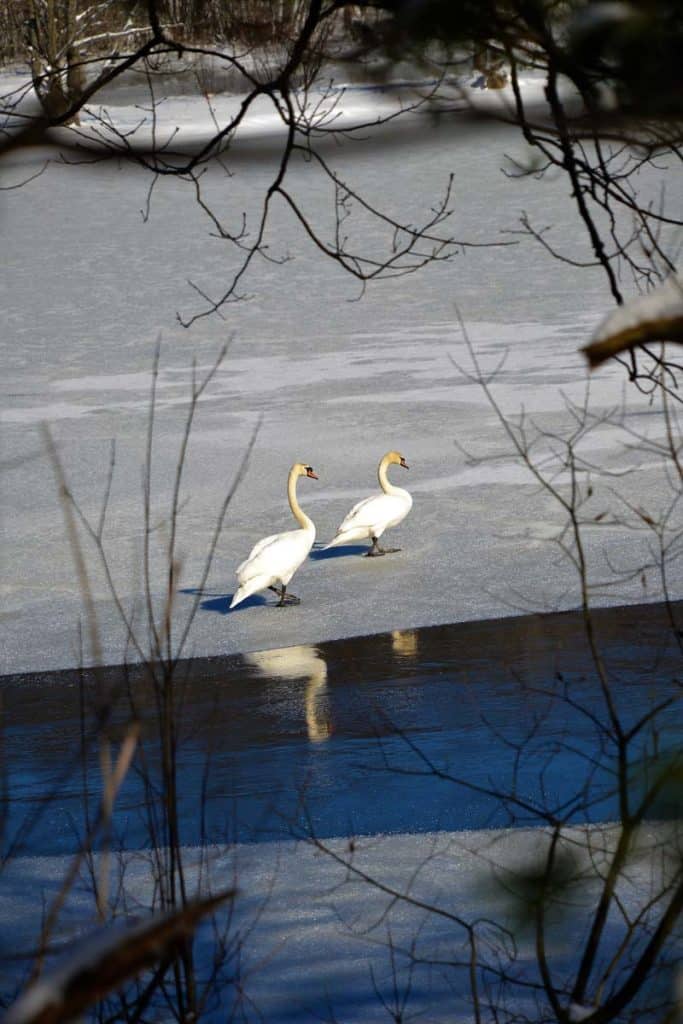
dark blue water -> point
(412, 731)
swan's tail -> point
(248, 588)
(347, 537)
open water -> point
(341, 738)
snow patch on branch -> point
(657, 316)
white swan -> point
(372, 516)
(275, 559)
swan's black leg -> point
(286, 598)
(375, 551)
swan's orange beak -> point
(309, 472)
(404, 463)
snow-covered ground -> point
(88, 288)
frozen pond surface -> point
(317, 939)
(87, 289)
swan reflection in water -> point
(300, 663)
(404, 642)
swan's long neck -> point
(384, 481)
(302, 519)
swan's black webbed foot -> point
(375, 551)
(285, 598)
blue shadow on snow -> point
(221, 602)
(318, 555)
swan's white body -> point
(275, 559)
(373, 515)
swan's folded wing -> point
(378, 510)
(257, 548)
(278, 555)
(363, 513)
